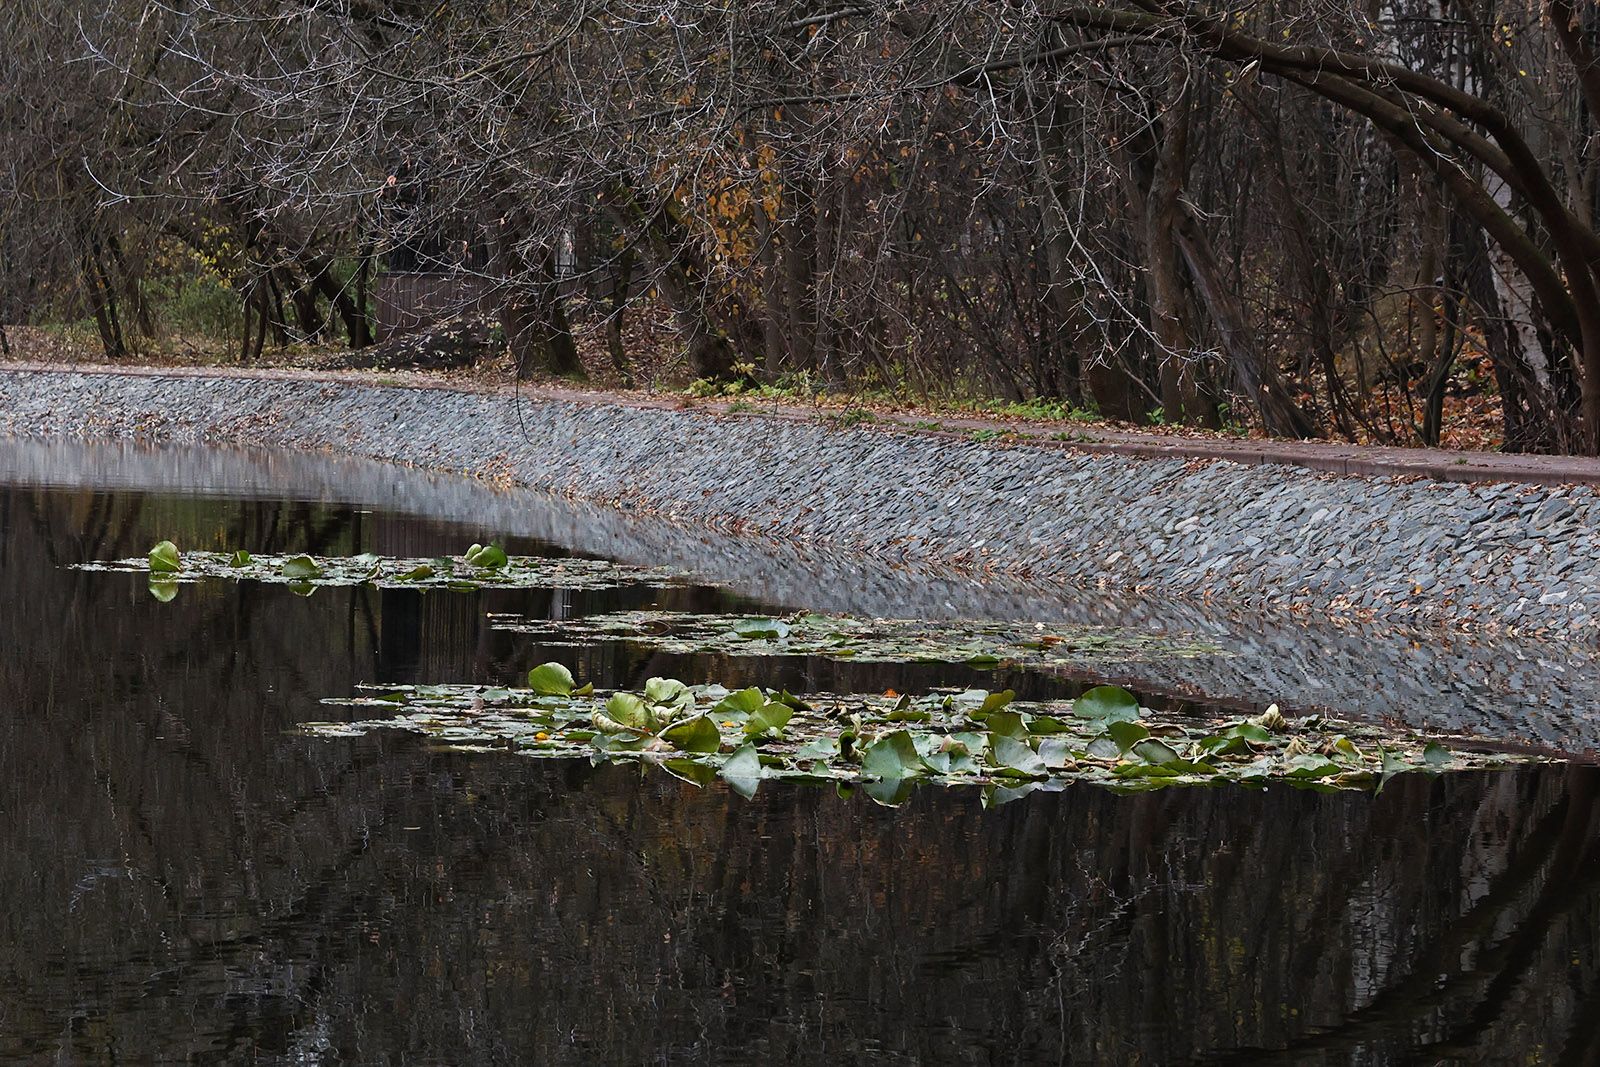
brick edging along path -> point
(1197, 518)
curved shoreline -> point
(1496, 556)
(1521, 689)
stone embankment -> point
(1469, 555)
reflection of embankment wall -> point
(1513, 686)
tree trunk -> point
(617, 301)
(681, 277)
(798, 227)
(1254, 374)
(534, 317)
(1161, 167)
(772, 309)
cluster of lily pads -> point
(977, 644)
(886, 744)
(481, 566)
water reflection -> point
(183, 879)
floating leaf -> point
(1346, 749)
(742, 771)
(1243, 737)
(1311, 766)
(626, 712)
(698, 734)
(739, 706)
(948, 756)
(889, 792)
(1393, 764)
(904, 712)
(892, 756)
(768, 719)
(1056, 753)
(757, 629)
(487, 557)
(692, 771)
(668, 692)
(820, 748)
(1154, 750)
(996, 795)
(1126, 733)
(1107, 703)
(980, 644)
(1048, 724)
(164, 559)
(1008, 723)
(856, 738)
(623, 743)
(300, 568)
(1103, 748)
(519, 572)
(1013, 757)
(995, 701)
(551, 679)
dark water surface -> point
(182, 878)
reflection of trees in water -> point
(191, 879)
(615, 919)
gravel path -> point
(1486, 556)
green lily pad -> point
(892, 756)
(757, 734)
(551, 679)
(1014, 758)
(1106, 703)
(626, 713)
(698, 734)
(742, 771)
(983, 645)
(770, 718)
(164, 559)
(487, 557)
(515, 572)
(300, 569)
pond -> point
(187, 876)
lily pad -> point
(484, 567)
(756, 734)
(983, 645)
(551, 679)
(164, 559)
(1106, 703)
(698, 734)
(487, 557)
(742, 771)
(892, 756)
(299, 569)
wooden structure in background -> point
(406, 301)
